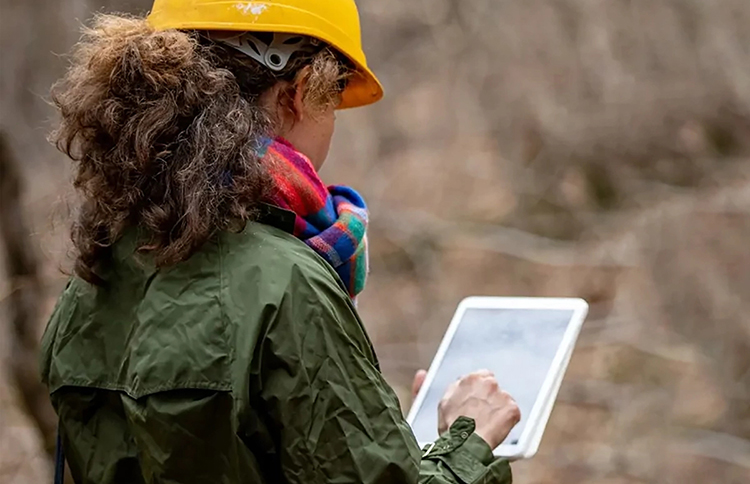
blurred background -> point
(589, 148)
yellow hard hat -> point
(335, 22)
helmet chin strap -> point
(275, 55)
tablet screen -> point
(517, 345)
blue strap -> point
(59, 460)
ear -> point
(298, 99)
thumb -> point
(417, 384)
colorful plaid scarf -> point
(330, 220)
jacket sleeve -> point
(333, 417)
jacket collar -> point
(277, 217)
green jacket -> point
(247, 363)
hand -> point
(417, 383)
(479, 396)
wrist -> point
(486, 437)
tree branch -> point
(408, 224)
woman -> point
(209, 332)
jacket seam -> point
(223, 312)
(167, 386)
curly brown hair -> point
(164, 129)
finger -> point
(417, 383)
(492, 386)
(515, 412)
(477, 375)
(508, 397)
(453, 386)
(511, 412)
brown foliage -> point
(539, 147)
(22, 267)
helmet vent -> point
(252, 45)
(275, 53)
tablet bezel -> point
(536, 439)
(529, 440)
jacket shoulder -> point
(264, 259)
(276, 287)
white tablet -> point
(526, 342)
